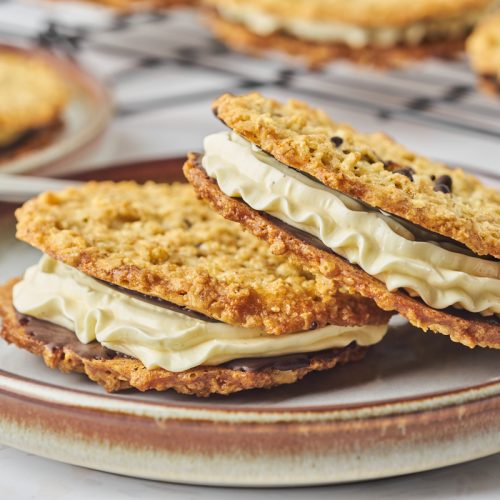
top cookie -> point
(370, 167)
(367, 13)
(160, 240)
(33, 94)
(483, 48)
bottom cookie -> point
(316, 54)
(61, 349)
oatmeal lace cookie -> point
(33, 95)
(369, 167)
(379, 33)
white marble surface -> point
(164, 128)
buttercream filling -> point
(157, 336)
(439, 273)
(263, 23)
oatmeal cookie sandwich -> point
(412, 234)
(145, 286)
(381, 32)
(483, 49)
(33, 97)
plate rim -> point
(18, 386)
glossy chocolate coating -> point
(57, 337)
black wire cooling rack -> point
(177, 63)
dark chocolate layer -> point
(18, 141)
(287, 362)
(156, 301)
(57, 337)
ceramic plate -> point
(84, 118)
(417, 402)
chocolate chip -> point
(314, 325)
(406, 171)
(444, 179)
(433, 177)
(443, 184)
(443, 188)
(392, 165)
(336, 140)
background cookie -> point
(483, 49)
(33, 95)
(364, 31)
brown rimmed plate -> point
(417, 402)
(84, 119)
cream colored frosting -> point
(263, 23)
(379, 244)
(157, 336)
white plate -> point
(417, 402)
